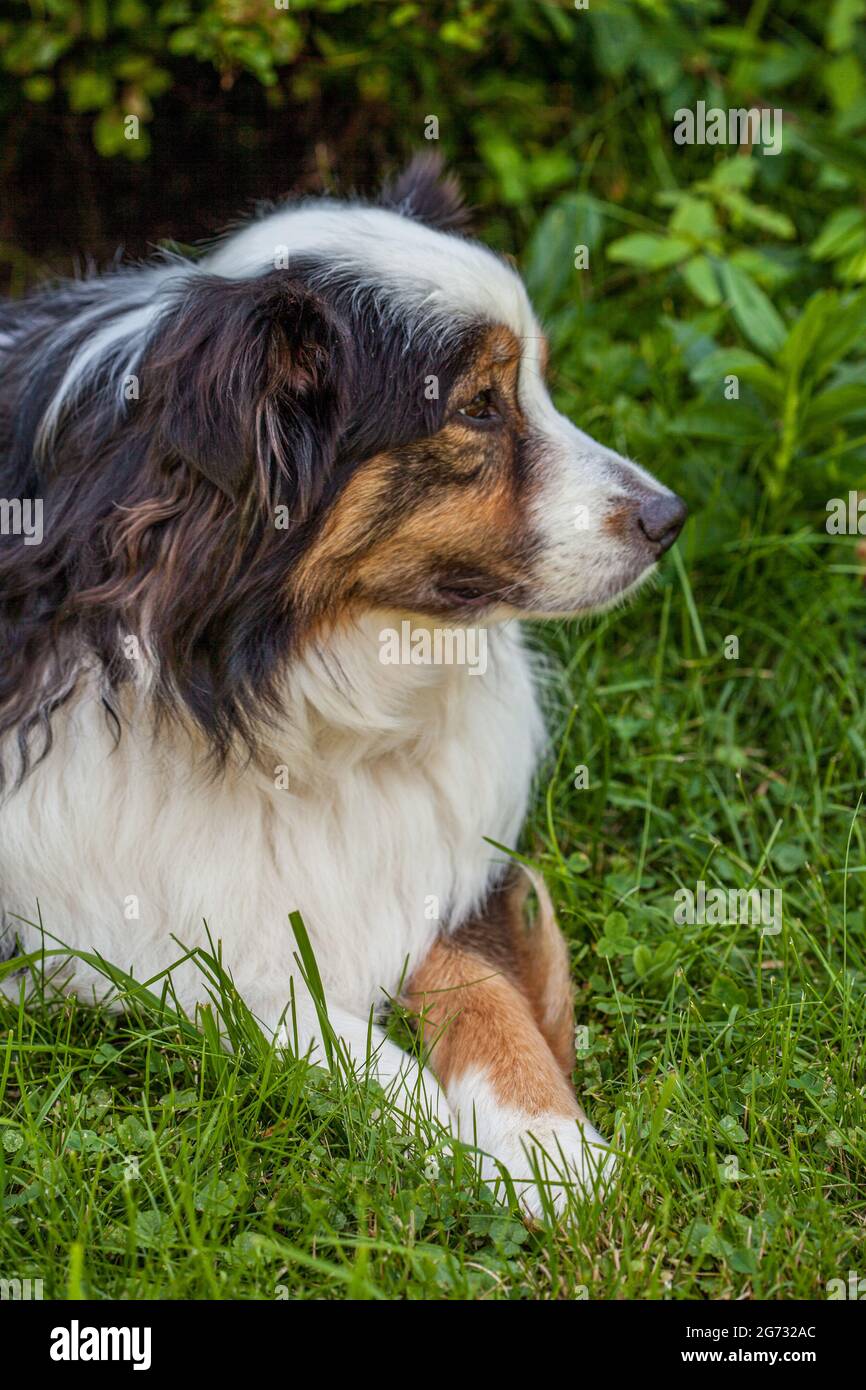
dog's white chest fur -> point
(387, 782)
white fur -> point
(419, 268)
(413, 267)
(545, 1155)
(396, 776)
(580, 568)
(118, 340)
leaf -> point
(727, 993)
(825, 332)
(403, 14)
(459, 33)
(13, 1140)
(648, 251)
(133, 1134)
(742, 363)
(789, 858)
(732, 1130)
(313, 980)
(767, 271)
(756, 315)
(808, 1082)
(853, 269)
(574, 220)
(843, 232)
(843, 80)
(642, 959)
(731, 755)
(841, 27)
(742, 209)
(38, 88)
(187, 1099)
(700, 277)
(804, 334)
(616, 925)
(834, 406)
(695, 217)
(756, 1081)
(738, 172)
(703, 1240)
(730, 420)
(507, 163)
(184, 41)
(149, 1228)
(666, 955)
(551, 169)
(215, 1198)
(90, 91)
(743, 1260)
(665, 1095)
(86, 1141)
(108, 136)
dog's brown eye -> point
(481, 407)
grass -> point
(140, 1159)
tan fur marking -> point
(619, 520)
(533, 955)
(471, 520)
(477, 1015)
(544, 970)
(501, 349)
(382, 542)
(344, 529)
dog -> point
(248, 468)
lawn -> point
(707, 317)
(140, 1159)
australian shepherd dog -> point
(223, 483)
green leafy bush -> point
(722, 262)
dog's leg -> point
(494, 1000)
(359, 1046)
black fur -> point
(159, 513)
(251, 374)
(423, 192)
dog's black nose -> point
(661, 519)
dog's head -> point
(382, 378)
(341, 408)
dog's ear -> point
(426, 193)
(246, 381)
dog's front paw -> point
(552, 1161)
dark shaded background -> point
(227, 130)
(240, 101)
(214, 152)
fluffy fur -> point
(250, 466)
